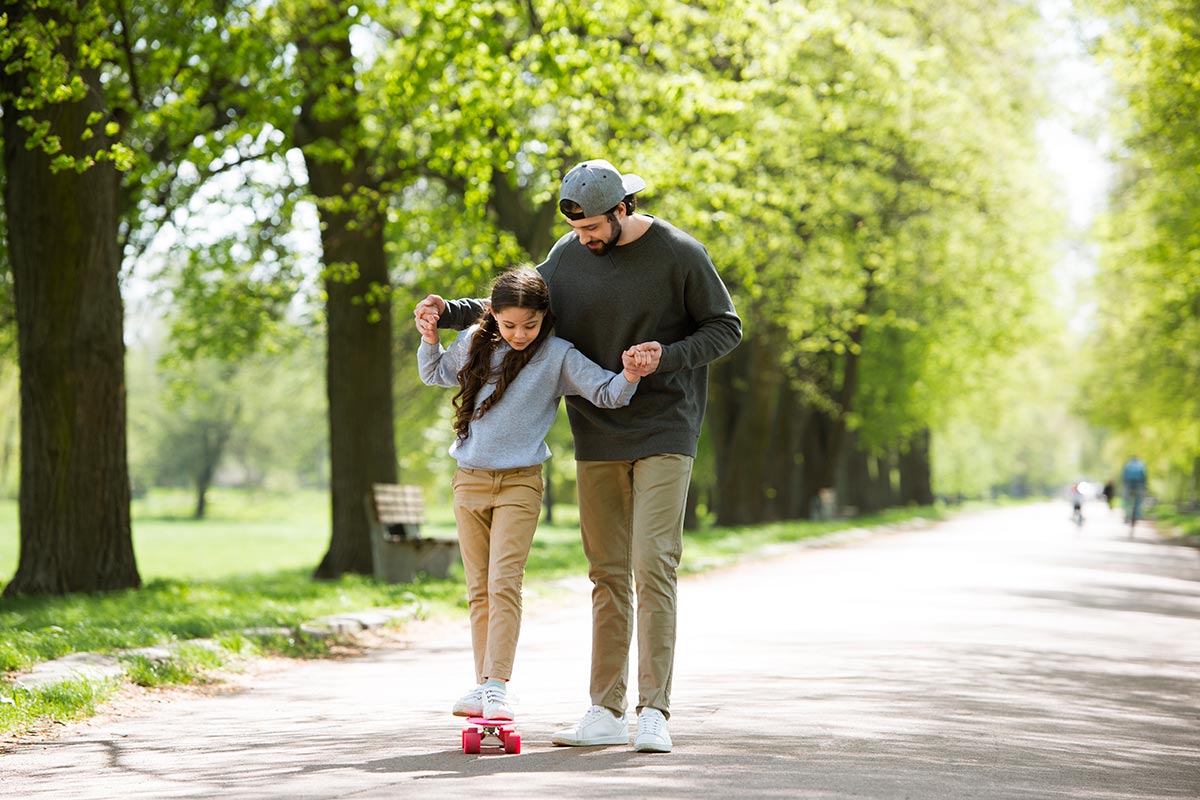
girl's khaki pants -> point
(497, 513)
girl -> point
(510, 372)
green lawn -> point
(244, 533)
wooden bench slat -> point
(395, 503)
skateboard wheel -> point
(512, 743)
(471, 740)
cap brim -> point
(632, 184)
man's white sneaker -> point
(495, 703)
(653, 735)
(598, 726)
(470, 704)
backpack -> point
(1134, 472)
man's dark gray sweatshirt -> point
(660, 287)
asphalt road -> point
(999, 655)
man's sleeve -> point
(719, 329)
(462, 314)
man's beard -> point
(606, 248)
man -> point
(1133, 476)
(620, 277)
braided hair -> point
(520, 288)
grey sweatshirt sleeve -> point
(581, 376)
(439, 366)
(719, 329)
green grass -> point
(23, 710)
(248, 565)
(1178, 522)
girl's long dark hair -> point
(518, 288)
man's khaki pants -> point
(631, 519)
(497, 513)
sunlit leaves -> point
(1146, 388)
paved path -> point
(1000, 655)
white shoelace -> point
(594, 713)
(651, 723)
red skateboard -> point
(482, 732)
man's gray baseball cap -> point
(597, 187)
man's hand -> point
(641, 360)
(430, 309)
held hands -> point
(426, 314)
(641, 360)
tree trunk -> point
(854, 479)
(358, 377)
(358, 362)
(820, 466)
(886, 483)
(1193, 493)
(786, 453)
(532, 227)
(214, 436)
(915, 473)
(743, 400)
(691, 515)
(62, 230)
(548, 493)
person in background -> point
(1109, 491)
(1133, 478)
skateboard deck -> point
(494, 733)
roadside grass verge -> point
(24, 710)
(1178, 521)
(242, 579)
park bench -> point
(396, 514)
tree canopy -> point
(1145, 387)
(866, 176)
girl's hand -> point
(641, 360)
(428, 329)
(426, 314)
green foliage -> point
(259, 420)
(864, 175)
(46, 49)
(890, 190)
(1013, 430)
(1146, 388)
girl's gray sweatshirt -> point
(513, 432)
